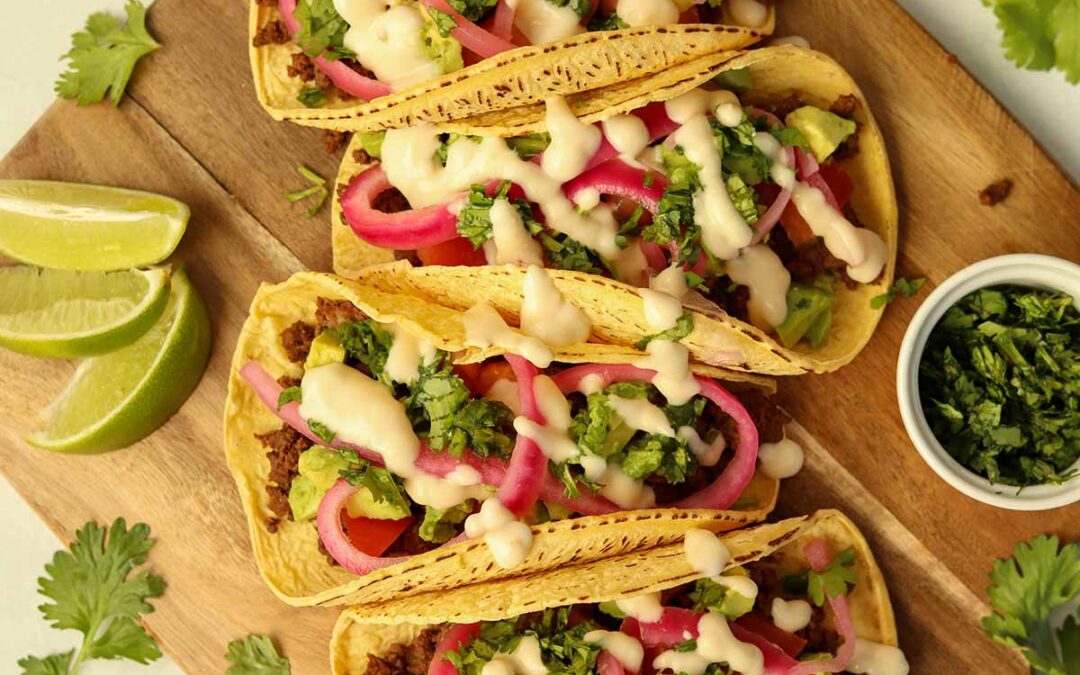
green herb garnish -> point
(903, 287)
(317, 189)
(1040, 34)
(684, 325)
(255, 655)
(93, 591)
(1000, 384)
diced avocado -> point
(324, 349)
(823, 130)
(363, 505)
(735, 604)
(304, 498)
(444, 51)
(322, 466)
(738, 81)
(806, 306)
(372, 143)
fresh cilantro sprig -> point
(103, 56)
(1025, 590)
(836, 579)
(93, 590)
(684, 325)
(1040, 34)
(255, 655)
(903, 287)
(317, 189)
(322, 30)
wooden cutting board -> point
(191, 128)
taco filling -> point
(699, 198)
(391, 449)
(370, 48)
(789, 613)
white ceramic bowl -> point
(1025, 270)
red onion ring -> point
(416, 228)
(457, 636)
(337, 543)
(617, 178)
(817, 554)
(471, 36)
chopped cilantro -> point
(311, 97)
(384, 486)
(1000, 384)
(322, 30)
(606, 21)
(674, 219)
(474, 218)
(367, 342)
(834, 580)
(103, 56)
(92, 590)
(791, 137)
(1025, 591)
(322, 431)
(582, 8)
(529, 145)
(288, 395)
(444, 21)
(563, 252)
(441, 525)
(684, 325)
(1040, 34)
(472, 10)
(563, 647)
(255, 655)
(903, 287)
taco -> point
(768, 209)
(797, 597)
(366, 436)
(353, 64)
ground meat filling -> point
(390, 201)
(273, 33)
(296, 339)
(283, 446)
(766, 574)
(409, 658)
(333, 313)
(334, 140)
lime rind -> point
(79, 226)
(120, 398)
(71, 314)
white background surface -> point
(1043, 102)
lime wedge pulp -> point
(119, 398)
(77, 226)
(65, 313)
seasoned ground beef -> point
(296, 339)
(360, 156)
(283, 450)
(390, 201)
(323, 81)
(333, 313)
(995, 193)
(285, 381)
(844, 106)
(410, 543)
(273, 33)
(768, 417)
(848, 149)
(411, 658)
(730, 298)
(786, 105)
(805, 262)
(301, 67)
(332, 141)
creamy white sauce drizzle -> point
(526, 659)
(779, 460)
(572, 141)
(628, 133)
(863, 250)
(590, 384)
(484, 327)
(408, 158)
(705, 552)
(697, 102)
(749, 13)
(759, 269)
(715, 644)
(624, 648)
(624, 491)
(510, 242)
(791, 615)
(794, 40)
(707, 454)
(647, 12)
(640, 414)
(507, 538)
(388, 41)
(645, 608)
(552, 437)
(673, 378)
(362, 411)
(541, 21)
(464, 475)
(742, 585)
(441, 493)
(671, 281)
(873, 658)
(547, 315)
(630, 264)
(662, 311)
(407, 354)
(505, 391)
(781, 174)
(587, 199)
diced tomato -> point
(371, 535)
(456, 252)
(798, 230)
(490, 373)
(791, 644)
(690, 16)
(468, 372)
(838, 181)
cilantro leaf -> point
(255, 655)
(684, 325)
(325, 434)
(472, 10)
(311, 97)
(606, 21)
(1024, 590)
(322, 29)
(833, 580)
(474, 218)
(384, 486)
(903, 287)
(707, 595)
(365, 341)
(565, 253)
(1040, 34)
(583, 8)
(529, 145)
(93, 591)
(444, 21)
(440, 525)
(288, 395)
(103, 56)
(563, 647)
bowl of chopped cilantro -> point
(988, 381)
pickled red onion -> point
(656, 122)
(608, 664)
(725, 490)
(806, 163)
(772, 119)
(528, 465)
(817, 554)
(332, 534)
(451, 642)
(617, 178)
(416, 228)
(502, 25)
(471, 36)
(344, 78)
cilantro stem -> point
(313, 178)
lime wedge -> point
(65, 313)
(87, 227)
(119, 398)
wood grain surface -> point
(191, 128)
